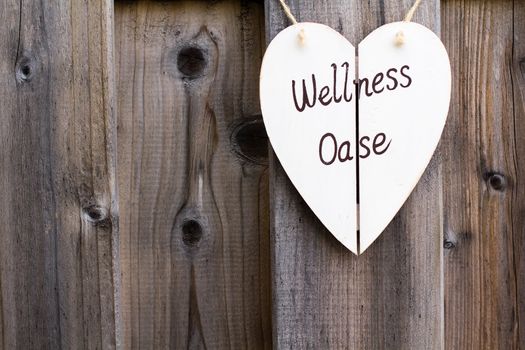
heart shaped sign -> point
(354, 139)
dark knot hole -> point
(191, 232)
(448, 244)
(250, 141)
(95, 214)
(191, 61)
(26, 70)
(496, 181)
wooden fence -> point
(140, 207)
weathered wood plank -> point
(324, 296)
(518, 195)
(192, 176)
(58, 237)
(484, 162)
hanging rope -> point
(408, 16)
(287, 11)
(400, 36)
(412, 10)
(292, 19)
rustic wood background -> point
(142, 209)
(193, 176)
(58, 210)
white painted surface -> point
(329, 190)
(411, 118)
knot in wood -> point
(448, 244)
(249, 140)
(496, 181)
(192, 61)
(191, 232)
(24, 69)
(96, 215)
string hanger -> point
(400, 36)
(292, 19)
(410, 13)
(287, 11)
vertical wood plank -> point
(325, 297)
(518, 195)
(58, 236)
(484, 167)
(192, 175)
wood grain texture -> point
(192, 176)
(484, 162)
(518, 195)
(325, 297)
(58, 237)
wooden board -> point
(192, 176)
(194, 189)
(58, 241)
(324, 297)
(315, 144)
(484, 165)
(518, 198)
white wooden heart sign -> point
(354, 139)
